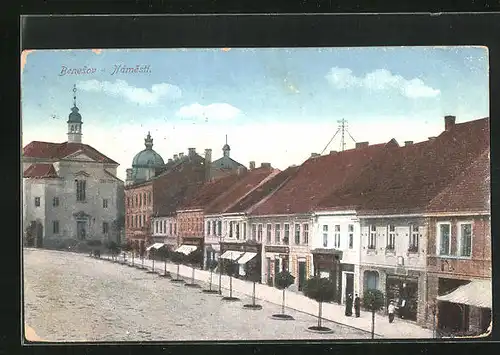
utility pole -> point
(342, 129)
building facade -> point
(70, 191)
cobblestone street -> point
(72, 297)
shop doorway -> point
(348, 285)
(404, 292)
(302, 274)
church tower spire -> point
(74, 122)
(226, 149)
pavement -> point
(399, 329)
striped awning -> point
(476, 293)
(186, 249)
(231, 255)
(246, 258)
(155, 246)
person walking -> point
(357, 305)
(348, 305)
(390, 310)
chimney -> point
(191, 152)
(265, 165)
(176, 157)
(170, 160)
(208, 164)
(407, 143)
(252, 165)
(181, 155)
(333, 152)
(449, 122)
(361, 145)
(315, 155)
(432, 138)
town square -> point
(256, 194)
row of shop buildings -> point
(411, 220)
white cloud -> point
(133, 94)
(381, 79)
(216, 111)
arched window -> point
(371, 280)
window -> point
(391, 237)
(169, 228)
(350, 231)
(55, 201)
(230, 229)
(136, 201)
(259, 232)
(414, 236)
(244, 231)
(237, 231)
(254, 231)
(286, 237)
(219, 228)
(214, 227)
(325, 236)
(128, 201)
(165, 227)
(140, 200)
(268, 233)
(444, 230)
(372, 237)
(55, 227)
(336, 236)
(105, 227)
(144, 202)
(149, 198)
(297, 234)
(465, 239)
(162, 230)
(37, 201)
(277, 232)
(305, 232)
(208, 228)
(81, 186)
(175, 228)
(157, 227)
(104, 203)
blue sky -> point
(276, 105)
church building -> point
(70, 191)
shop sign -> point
(277, 249)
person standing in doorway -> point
(390, 310)
(348, 305)
(357, 305)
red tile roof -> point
(263, 191)
(41, 171)
(249, 181)
(470, 192)
(316, 178)
(405, 180)
(47, 150)
(209, 191)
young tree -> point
(212, 265)
(230, 271)
(126, 247)
(373, 300)
(113, 248)
(163, 253)
(177, 259)
(252, 274)
(193, 259)
(282, 281)
(320, 289)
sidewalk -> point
(399, 329)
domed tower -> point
(146, 163)
(226, 149)
(74, 122)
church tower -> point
(74, 122)
(226, 149)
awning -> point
(186, 249)
(246, 258)
(477, 293)
(155, 246)
(231, 255)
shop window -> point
(371, 280)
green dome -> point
(74, 116)
(147, 158)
